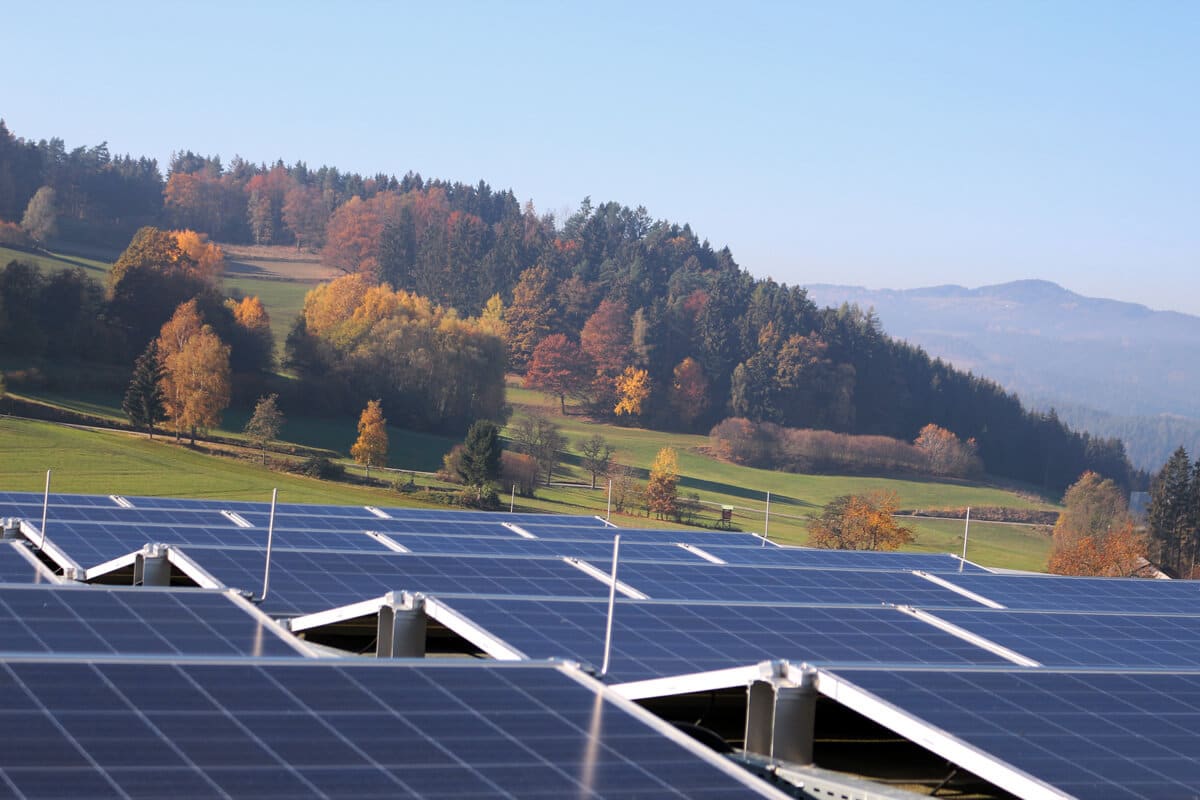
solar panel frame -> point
(845, 559)
(338, 729)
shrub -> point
(321, 467)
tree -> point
(1118, 553)
(859, 522)
(530, 315)
(195, 381)
(633, 389)
(607, 337)
(265, 424)
(372, 445)
(559, 367)
(538, 437)
(662, 490)
(480, 463)
(689, 392)
(41, 218)
(1172, 515)
(143, 402)
(947, 455)
(597, 456)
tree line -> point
(631, 317)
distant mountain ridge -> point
(1108, 366)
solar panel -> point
(304, 582)
(585, 549)
(65, 619)
(699, 538)
(783, 585)
(129, 729)
(848, 559)
(16, 567)
(657, 639)
(1086, 734)
(1084, 639)
(1055, 593)
(95, 543)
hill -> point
(1110, 367)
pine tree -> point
(372, 445)
(143, 402)
(480, 463)
(1171, 514)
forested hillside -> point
(634, 317)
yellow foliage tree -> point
(662, 496)
(206, 258)
(859, 522)
(250, 313)
(195, 379)
(633, 389)
(372, 445)
(492, 318)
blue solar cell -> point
(1082, 639)
(16, 568)
(304, 582)
(1054, 593)
(784, 585)
(841, 559)
(657, 639)
(82, 620)
(341, 731)
(90, 544)
(1086, 734)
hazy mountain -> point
(1109, 367)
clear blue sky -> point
(891, 144)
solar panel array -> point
(16, 568)
(925, 621)
(125, 728)
(134, 621)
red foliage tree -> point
(558, 366)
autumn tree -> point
(254, 343)
(946, 453)
(530, 315)
(597, 456)
(633, 390)
(480, 461)
(306, 213)
(689, 392)
(206, 259)
(143, 402)
(195, 382)
(265, 424)
(372, 445)
(559, 367)
(607, 337)
(662, 489)
(41, 218)
(859, 522)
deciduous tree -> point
(265, 424)
(662, 490)
(531, 314)
(559, 367)
(372, 445)
(538, 437)
(41, 218)
(633, 389)
(689, 392)
(597, 456)
(196, 372)
(859, 522)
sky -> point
(881, 144)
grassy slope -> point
(104, 462)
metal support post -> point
(151, 567)
(402, 627)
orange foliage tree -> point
(1095, 534)
(859, 522)
(689, 391)
(195, 380)
(372, 445)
